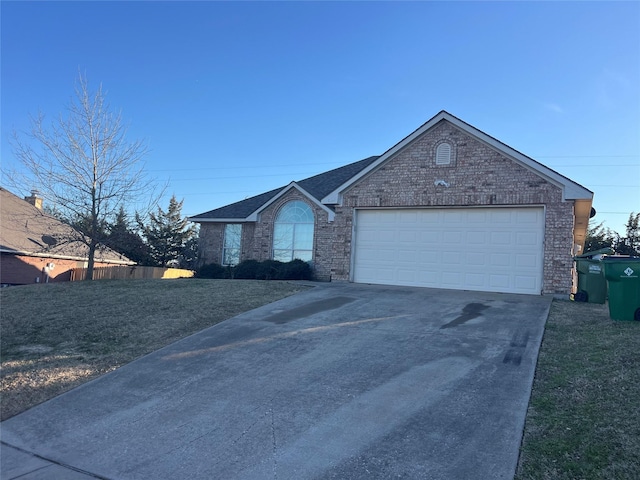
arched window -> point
(293, 232)
(443, 154)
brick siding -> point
(322, 238)
(257, 238)
(25, 270)
(477, 176)
(210, 243)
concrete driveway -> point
(342, 381)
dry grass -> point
(55, 337)
(583, 420)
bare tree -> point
(83, 164)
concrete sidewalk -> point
(342, 381)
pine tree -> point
(123, 239)
(189, 257)
(629, 245)
(598, 237)
(167, 233)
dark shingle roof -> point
(317, 186)
(241, 209)
(321, 185)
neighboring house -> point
(34, 246)
(447, 207)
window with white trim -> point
(293, 232)
(231, 244)
(443, 154)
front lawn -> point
(54, 337)
(583, 420)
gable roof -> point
(315, 188)
(27, 230)
(327, 188)
(570, 189)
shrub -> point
(295, 270)
(269, 270)
(247, 270)
(213, 270)
(255, 270)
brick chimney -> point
(35, 199)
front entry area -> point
(497, 249)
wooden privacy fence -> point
(130, 272)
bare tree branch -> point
(84, 166)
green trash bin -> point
(592, 285)
(623, 275)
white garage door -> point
(486, 249)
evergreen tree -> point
(167, 233)
(123, 239)
(629, 245)
(598, 237)
(189, 257)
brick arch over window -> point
(293, 232)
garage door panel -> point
(426, 258)
(499, 282)
(451, 279)
(525, 261)
(531, 217)
(501, 238)
(524, 283)
(476, 238)
(409, 216)
(368, 255)
(406, 275)
(369, 272)
(477, 218)
(475, 260)
(475, 280)
(388, 236)
(500, 260)
(524, 239)
(453, 217)
(428, 278)
(452, 237)
(428, 218)
(408, 236)
(387, 254)
(407, 256)
(500, 216)
(490, 249)
(449, 258)
(379, 273)
(431, 237)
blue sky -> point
(236, 98)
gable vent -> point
(443, 154)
